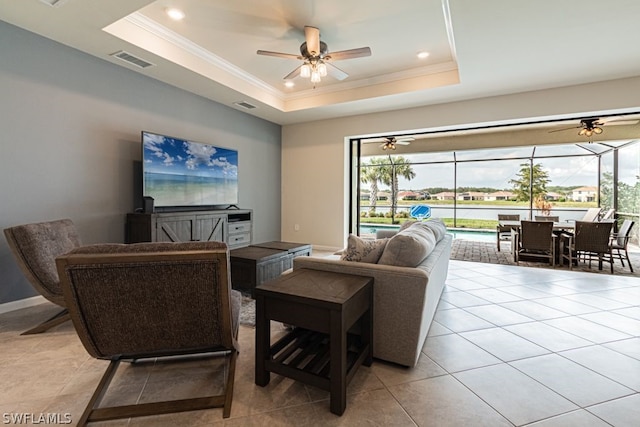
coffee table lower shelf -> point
(304, 355)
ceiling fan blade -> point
(312, 37)
(279, 54)
(563, 129)
(292, 75)
(349, 54)
(336, 72)
(370, 140)
(620, 122)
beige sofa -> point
(405, 298)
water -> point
(475, 235)
(189, 190)
(486, 211)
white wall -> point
(315, 157)
(70, 140)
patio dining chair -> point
(620, 241)
(590, 241)
(591, 214)
(547, 218)
(610, 214)
(502, 232)
(536, 239)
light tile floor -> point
(509, 346)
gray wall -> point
(70, 142)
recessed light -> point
(423, 55)
(289, 83)
(175, 14)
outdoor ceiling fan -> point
(389, 143)
(316, 58)
(593, 126)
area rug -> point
(248, 311)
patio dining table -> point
(558, 226)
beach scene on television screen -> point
(178, 172)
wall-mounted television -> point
(181, 173)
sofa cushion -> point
(437, 226)
(407, 224)
(361, 250)
(409, 247)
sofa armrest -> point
(399, 301)
(334, 263)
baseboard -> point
(22, 303)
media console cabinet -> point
(231, 226)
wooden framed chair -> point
(620, 240)
(151, 300)
(35, 247)
(590, 241)
(504, 233)
(536, 239)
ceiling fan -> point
(593, 126)
(389, 143)
(316, 58)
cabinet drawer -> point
(239, 227)
(241, 239)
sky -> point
(563, 171)
(163, 154)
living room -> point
(71, 144)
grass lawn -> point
(488, 224)
(460, 223)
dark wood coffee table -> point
(322, 350)
(295, 249)
(252, 265)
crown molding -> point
(162, 32)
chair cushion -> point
(361, 250)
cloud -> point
(154, 143)
(203, 155)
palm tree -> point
(397, 166)
(371, 173)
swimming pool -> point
(475, 235)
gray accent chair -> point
(152, 300)
(35, 247)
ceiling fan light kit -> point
(590, 127)
(316, 57)
(391, 142)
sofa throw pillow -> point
(409, 247)
(361, 250)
